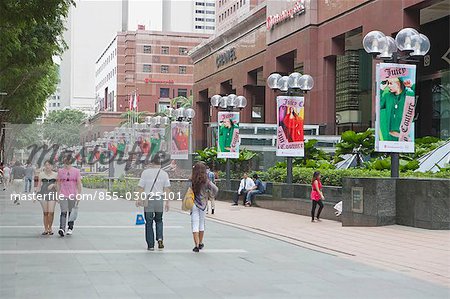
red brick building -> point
(323, 39)
(155, 64)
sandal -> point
(50, 233)
(44, 233)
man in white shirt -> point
(246, 185)
(155, 184)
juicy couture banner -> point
(290, 137)
(152, 142)
(180, 140)
(395, 107)
(228, 141)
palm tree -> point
(127, 116)
(182, 102)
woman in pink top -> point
(68, 184)
(316, 196)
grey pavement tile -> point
(269, 269)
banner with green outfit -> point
(228, 139)
(395, 108)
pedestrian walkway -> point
(420, 253)
(106, 257)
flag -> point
(130, 101)
(135, 101)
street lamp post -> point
(229, 103)
(295, 83)
(409, 46)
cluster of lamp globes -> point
(407, 40)
(228, 102)
(293, 81)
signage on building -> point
(226, 57)
(149, 80)
(298, 9)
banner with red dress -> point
(180, 141)
(290, 118)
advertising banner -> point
(395, 108)
(290, 136)
(180, 140)
(228, 139)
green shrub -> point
(123, 186)
(95, 182)
(333, 177)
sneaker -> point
(235, 204)
(212, 211)
(247, 204)
(320, 220)
(151, 248)
(160, 244)
(195, 249)
(201, 246)
(61, 232)
(69, 232)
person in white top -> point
(155, 184)
(6, 176)
(246, 185)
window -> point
(164, 68)
(210, 20)
(209, 12)
(199, 11)
(211, 4)
(164, 92)
(147, 49)
(182, 92)
(199, 27)
(182, 51)
(164, 50)
(163, 107)
(210, 27)
(200, 3)
(182, 69)
(199, 19)
(147, 68)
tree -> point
(361, 144)
(132, 116)
(63, 127)
(30, 35)
(181, 101)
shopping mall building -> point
(322, 38)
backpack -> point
(264, 185)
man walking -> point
(68, 185)
(154, 183)
(29, 177)
(17, 176)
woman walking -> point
(316, 196)
(47, 191)
(201, 185)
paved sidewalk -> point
(107, 258)
(420, 253)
